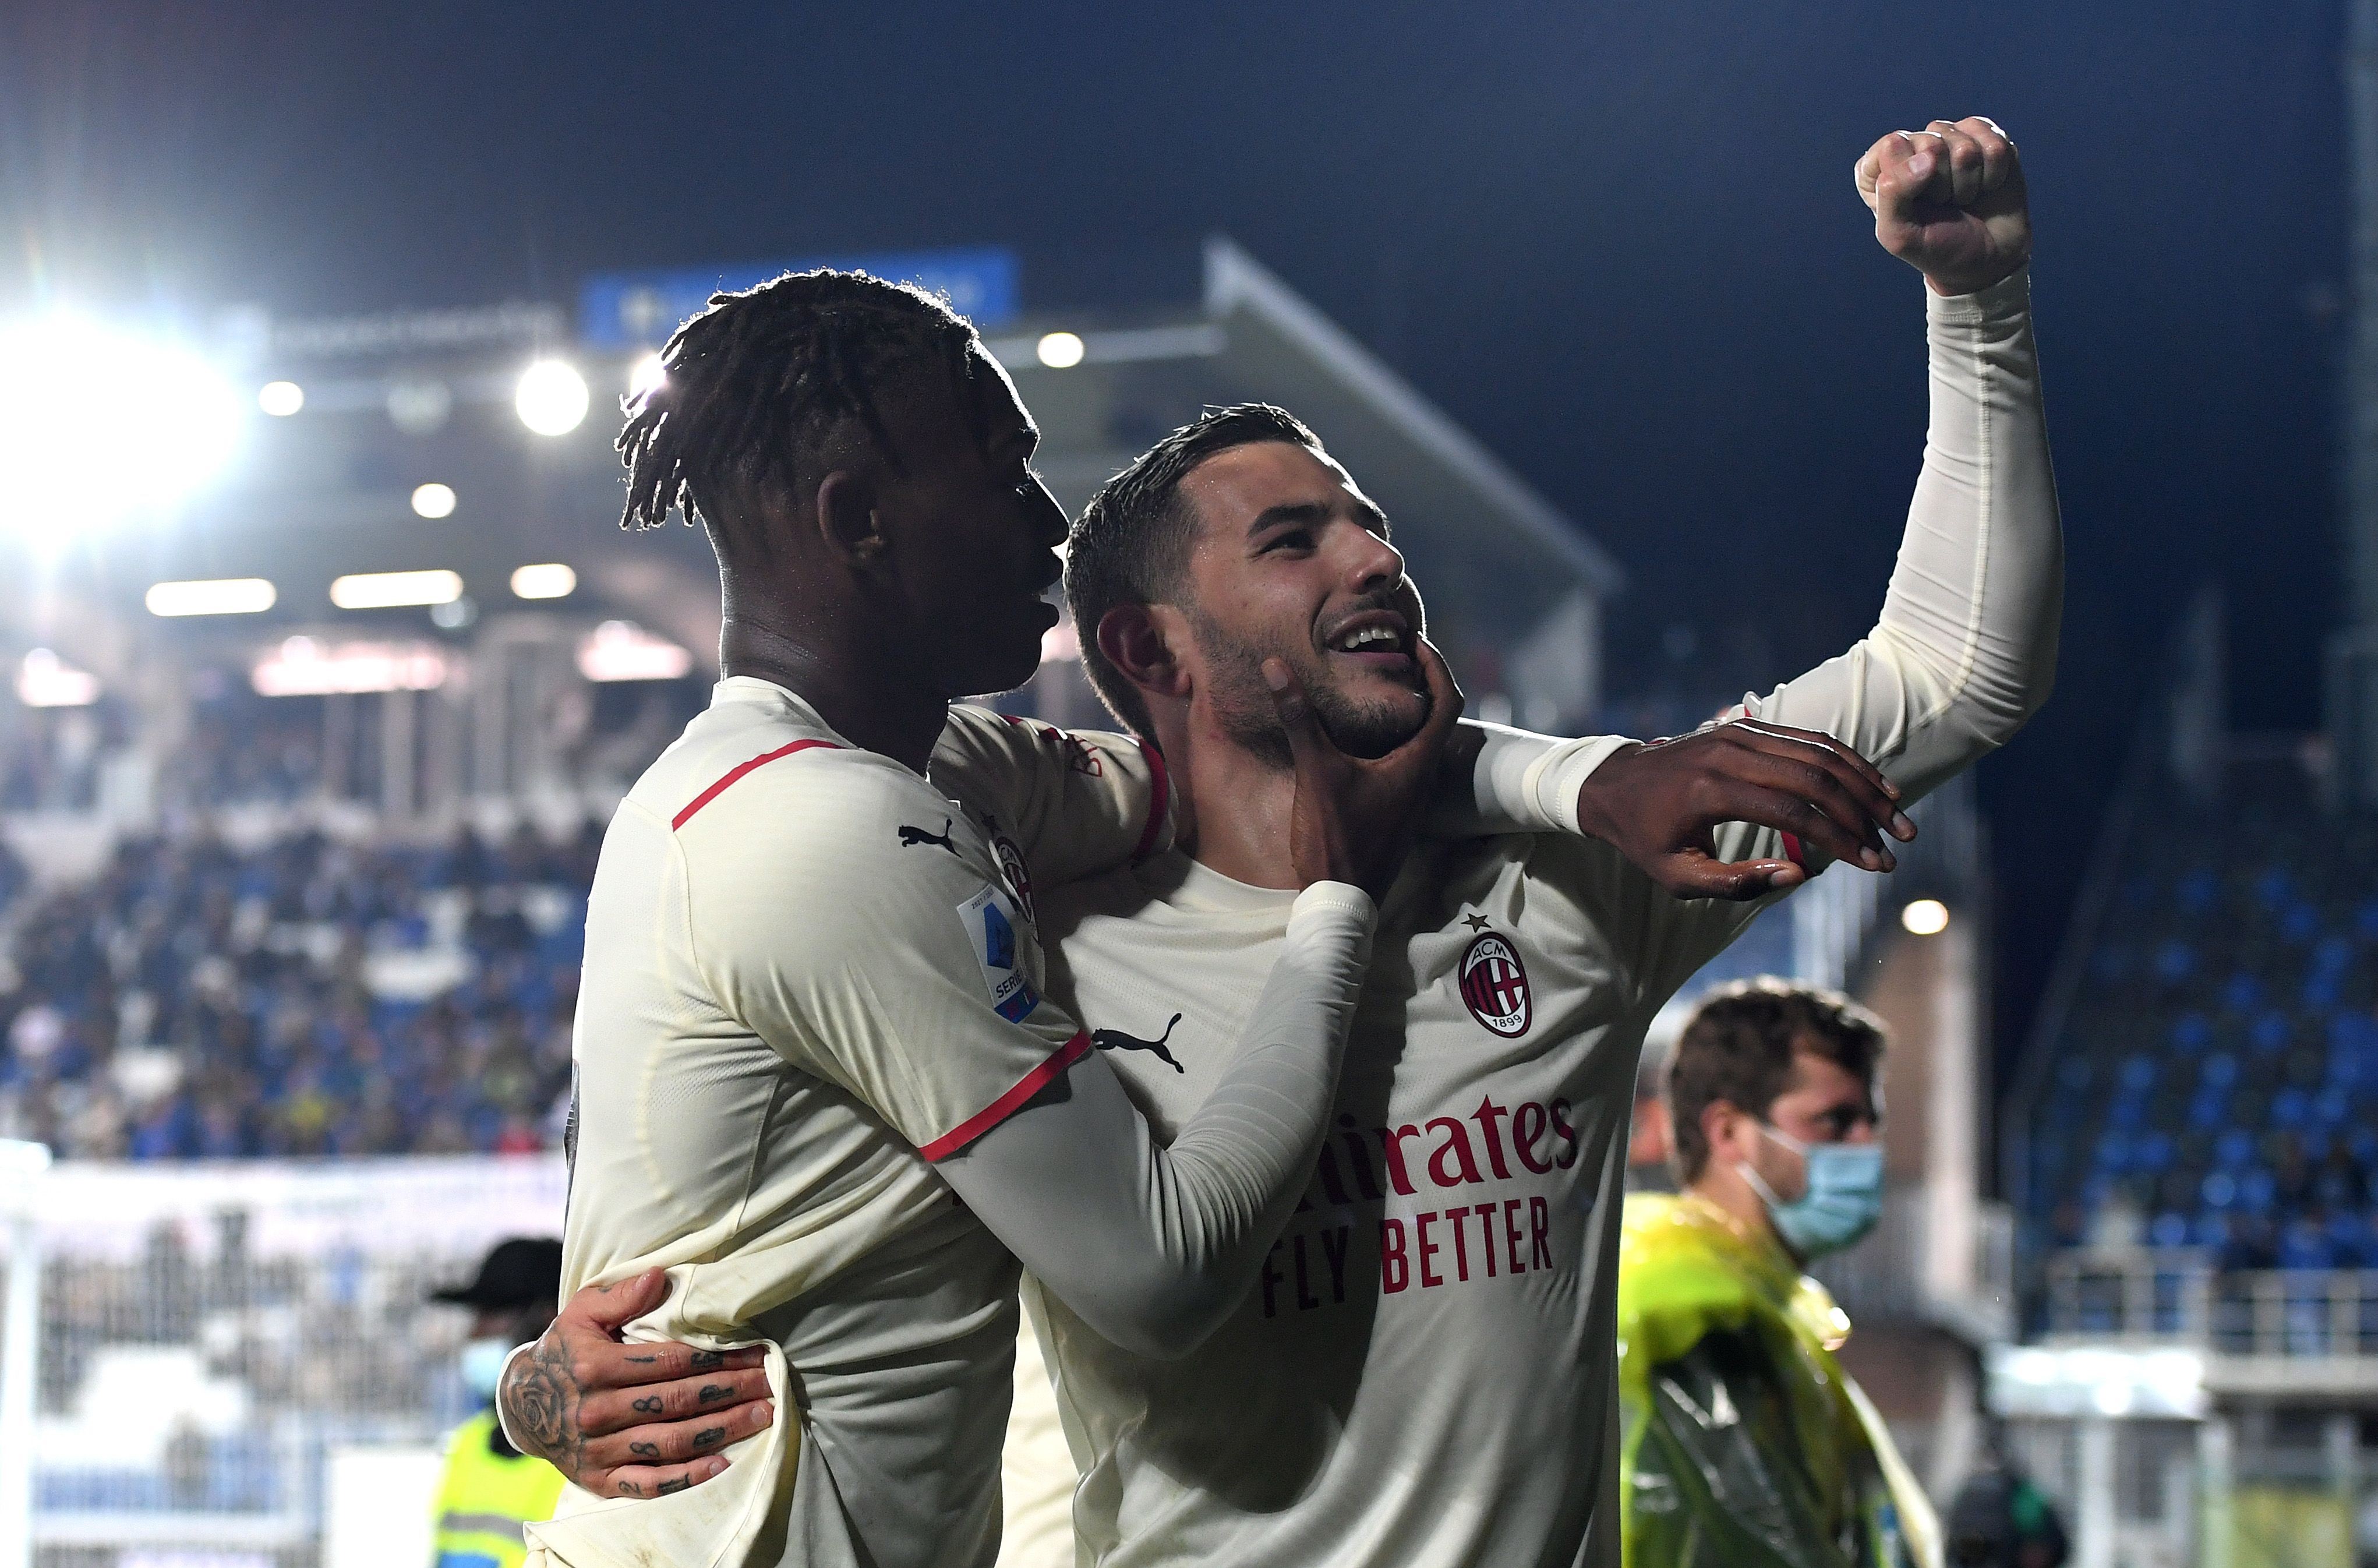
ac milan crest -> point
(1011, 866)
(1494, 986)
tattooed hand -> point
(629, 1420)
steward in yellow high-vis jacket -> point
(1744, 1445)
(490, 1490)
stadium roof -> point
(392, 403)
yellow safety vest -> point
(485, 1496)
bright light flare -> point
(44, 679)
(552, 397)
(304, 666)
(648, 374)
(211, 596)
(1062, 351)
(1925, 917)
(124, 424)
(545, 579)
(433, 501)
(621, 650)
(392, 590)
(281, 399)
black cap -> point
(522, 1272)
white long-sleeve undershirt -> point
(1964, 650)
(1153, 1246)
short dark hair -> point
(1131, 543)
(754, 388)
(1738, 1048)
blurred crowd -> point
(309, 996)
(2216, 1079)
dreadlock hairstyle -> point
(756, 390)
(1131, 543)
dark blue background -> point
(1619, 242)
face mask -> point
(1842, 1203)
(482, 1364)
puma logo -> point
(1116, 1039)
(912, 837)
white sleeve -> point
(1518, 781)
(1962, 653)
(1077, 803)
(1153, 1247)
(1965, 651)
(503, 1380)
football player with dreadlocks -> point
(819, 1081)
(1425, 1371)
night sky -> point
(1620, 244)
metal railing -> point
(2178, 1297)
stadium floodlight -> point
(393, 590)
(213, 595)
(433, 501)
(1061, 351)
(546, 580)
(124, 424)
(647, 374)
(551, 398)
(44, 679)
(1925, 917)
(281, 399)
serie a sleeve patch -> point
(989, 921)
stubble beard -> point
(1242, 701)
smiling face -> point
(1291, 559)
(972, 532)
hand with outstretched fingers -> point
(623, 1419)
(1659, 804)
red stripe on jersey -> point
(1007, 1104)
(1158, 804)
(1793, 852)
(739, 771)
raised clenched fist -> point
(1950, 202)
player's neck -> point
(1245, 837)
(862, 694)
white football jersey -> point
(809, 975)
(1425, 1372)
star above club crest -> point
(1474, 922)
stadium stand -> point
(304, 996)
(2213, 1084)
